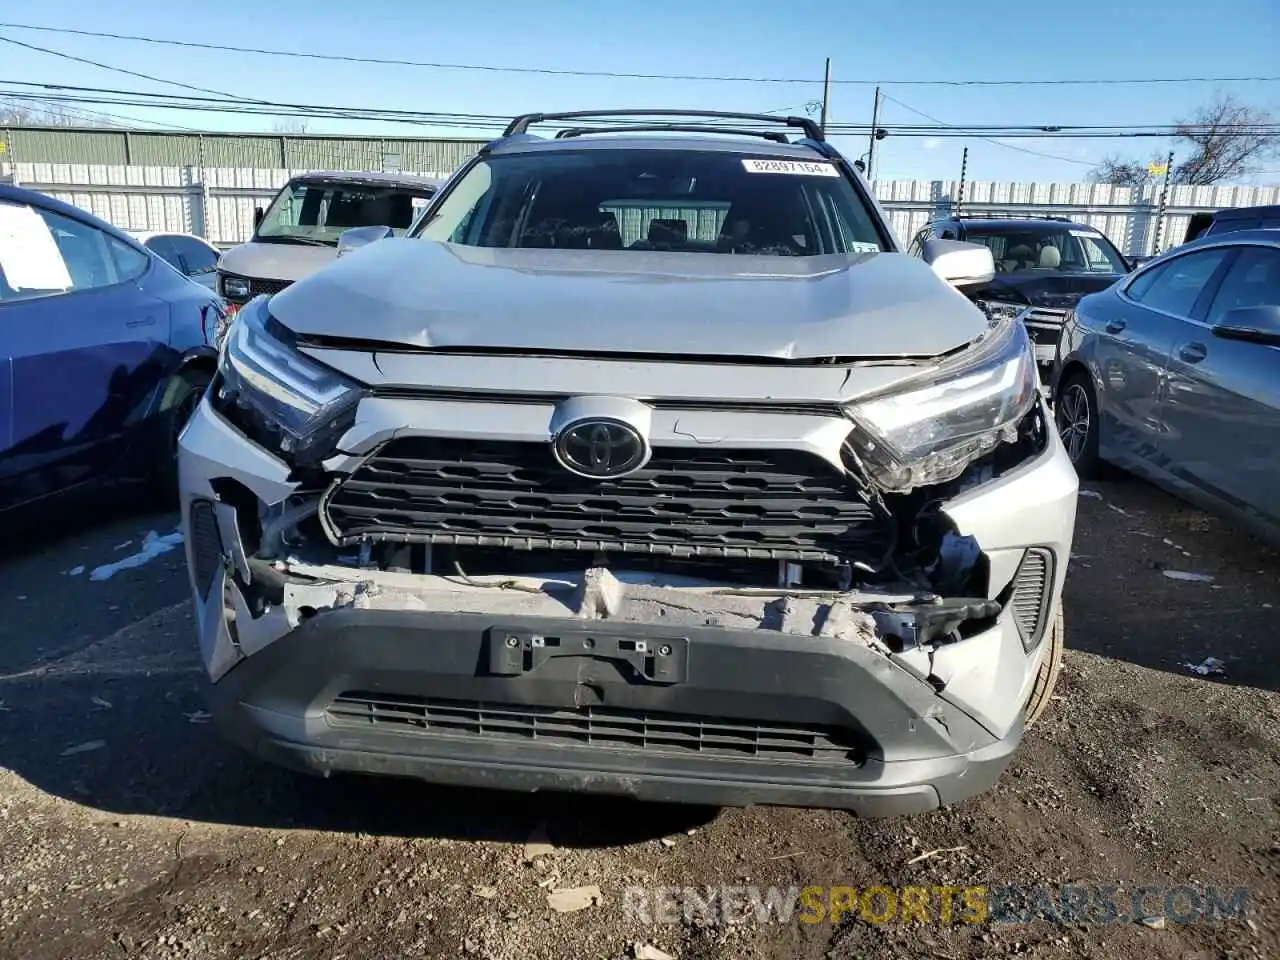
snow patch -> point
(1186, 577)
(153, 545)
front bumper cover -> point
(933, 724)
(909, 750)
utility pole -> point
(1164, 198)
(875, 127)
(826, 97)
(964, 168)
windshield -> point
(319, 212)
(686, 201)
(1051, 248)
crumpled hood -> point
(432, 295)
(276, 261)
(1061, 290)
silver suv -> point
(647, 464)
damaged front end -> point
(918, 543)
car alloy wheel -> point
(1075, 420)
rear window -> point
(688, 201)
(1234, 224)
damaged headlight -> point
(282, 398)
(929, 429)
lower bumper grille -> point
(1032, 589)
(655, 733)
(206, 545)
(740, 503)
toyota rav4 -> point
(648, 464)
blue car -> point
(105, 349)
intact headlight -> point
(929, 429)
(1002, 310)
(281, 397)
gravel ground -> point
(127, 829)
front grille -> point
(1032, 586)
(1044, 324)
(740, 503)
(651, 733)
(206, 545)
(260, 285)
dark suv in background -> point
(1231, 220)
(1044, 265)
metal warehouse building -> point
(147, 148)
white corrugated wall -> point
(172, 198)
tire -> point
(181, 397)
(1050, 668)
(1075, 417)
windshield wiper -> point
(286, 238)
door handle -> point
(144, 322)
(1193, 352)
(1115, 326)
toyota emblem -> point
(601, 449)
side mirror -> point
(1259, 324)
(960, 264)
(258, 214)
(358, 237)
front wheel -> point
(1075, 414)
(1050, 668)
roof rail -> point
(773, 135)
(522, 123)
(1006, 215)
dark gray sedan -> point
(1173, 373)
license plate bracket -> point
(515, 652)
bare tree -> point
(18, 113)
(1120, 172)
(1228, 141)
(14, 114)
(293, 125)
(1224, 140)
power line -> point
(557, 72)
(123, 70)
(84, 114)
(113, 119)
(106, 96)
(1009, 146)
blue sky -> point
(928, 39)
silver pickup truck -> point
(298, 233)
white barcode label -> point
(799, 168)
